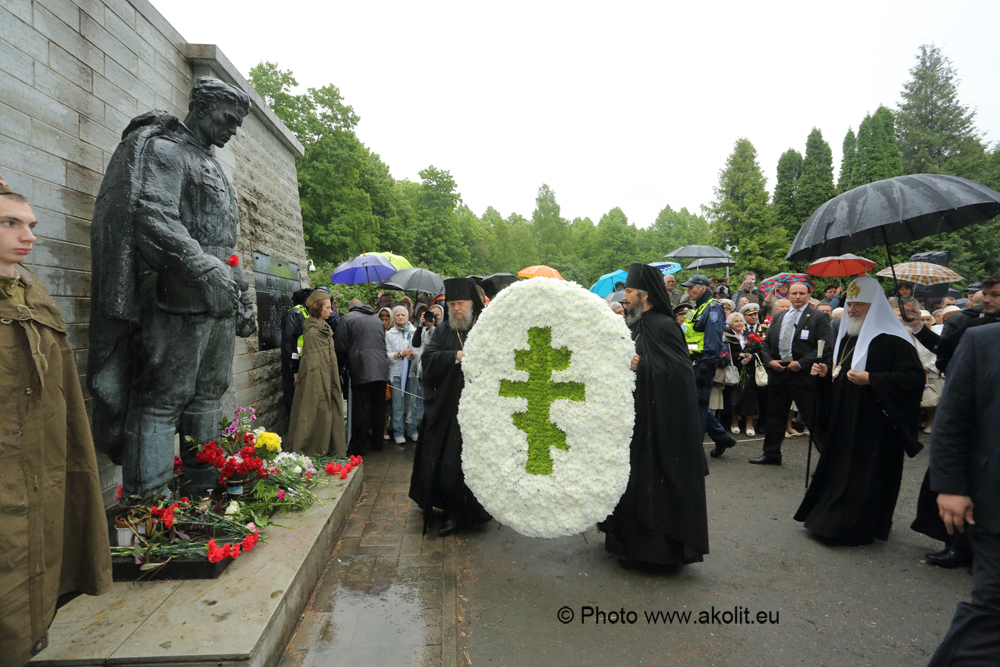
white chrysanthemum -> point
(590, 477)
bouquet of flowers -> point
(241, 453)
(753, 346)
(164, 530)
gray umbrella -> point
(418, 280)
(894, 210)
(711, 263)
(697, 252)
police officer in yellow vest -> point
(292, 323)
(703, 329)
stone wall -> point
(72, 75)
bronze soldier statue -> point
(166, 300)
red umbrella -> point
(840, 266)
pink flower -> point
(281, 494)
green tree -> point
(848, 163)
(815, 186)
(437, 232)
(337, 213)
(789, 173)
(550, 228)
(741, 214)
(615, 243)
(673, 229)
(937, 134)
(878, 153)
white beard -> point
(461, 321)
(854, 325)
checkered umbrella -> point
(923, 273)
(768, 284)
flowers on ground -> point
(547, 412)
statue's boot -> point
(197, 477)
(149, 464)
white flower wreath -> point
(579, 353)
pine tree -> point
(848, 163)
(815, 186)
(934, 130)
(741, 214)
(789, 173)
(937, 134)
(878, 152)
(550, 229)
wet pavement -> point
(771, 595)
(380, 599)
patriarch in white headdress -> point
(868, 315)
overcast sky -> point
(635, 105)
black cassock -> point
(866, 428)
(437, 479)
(661, 518)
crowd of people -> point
(862, 372)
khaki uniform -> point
(52, 522)
(316, 425)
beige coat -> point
(53, 531)
(316, 425)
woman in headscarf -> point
(316, 425)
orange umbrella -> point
(539, 272)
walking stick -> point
(812, 426)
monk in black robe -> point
(437, 479)
(868, 412)
(661, 518)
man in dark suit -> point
(789, 351)
(968, 485)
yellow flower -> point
(270, 440)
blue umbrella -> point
(605, 285)
(364, 269)
(666, 268)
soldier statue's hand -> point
(220, 292)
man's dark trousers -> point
(367, 417)
(779, 401)
(974, 636)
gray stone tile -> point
(354, 656)
(68, 38)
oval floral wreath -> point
(546, 412)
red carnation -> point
(248, 451)
(343, 475)
(118, 493)
(235, 552)
(262, 474)
(234, 260)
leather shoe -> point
(721, 449)
(448, 527)
(766, 460)
(950, 557)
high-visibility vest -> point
(298, 347)
(695, 339)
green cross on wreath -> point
(539, 361)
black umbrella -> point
(894, 210)
(697, 252)
(416, 280)
(497, 281)
(711, 263)
(390, 284)
(476, 279)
